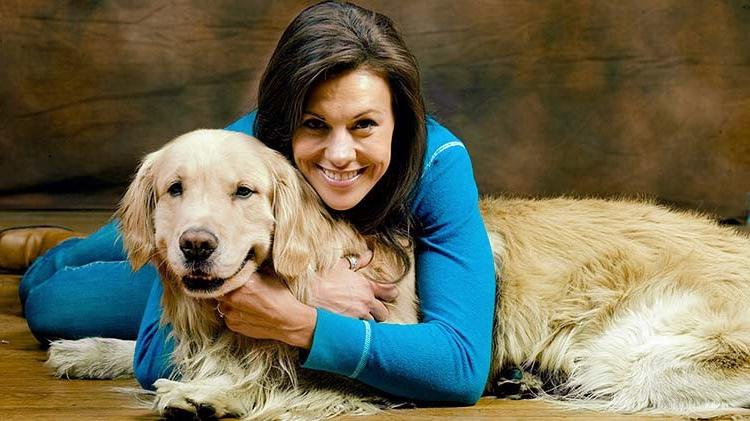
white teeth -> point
(339, 175)
(201, 277)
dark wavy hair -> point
(323, 41)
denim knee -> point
(42, 269)
(98, 299)
(105, 245)
(43, 324)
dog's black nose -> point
(197, 244)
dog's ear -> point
(136, 214)
(300, 221)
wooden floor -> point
(28, 392)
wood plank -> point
(81, 221)
(29, 392)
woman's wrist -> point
(302, 326)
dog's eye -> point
(175, 189)
(243, 192)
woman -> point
(341, 99)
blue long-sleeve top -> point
(444, 358)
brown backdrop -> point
(586, 97)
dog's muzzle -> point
(197, 245)
(198, 281)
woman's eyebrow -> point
(314, 114)
(371, 110)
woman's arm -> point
(447, 356)
(154, 344)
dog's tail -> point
(91, 358)
(682, 355)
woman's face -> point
(343, 144)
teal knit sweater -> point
(444, 358)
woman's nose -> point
(340, 148)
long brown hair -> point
(323, 41)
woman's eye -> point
(314, 124)
(243, 192)
(175, 189)
(365, 124)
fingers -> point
(379, 311)
(229, 300)
(235, 296)
(219, 309)
(384, 292)
(225, 309)
(364, 259)
(227, 314)
(360, 261)
(344, 264)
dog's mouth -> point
(201, 282)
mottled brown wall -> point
(586, 97)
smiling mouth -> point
(198, 281)
(341, 177)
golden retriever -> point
(622, 306)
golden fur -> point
(284, 223)
(627, 305)
(632, 306)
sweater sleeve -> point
(446, 357)
(154, 344)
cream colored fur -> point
(283, 222)
(629, 306)
(92, 358)
(633, 306)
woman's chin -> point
(339, 203)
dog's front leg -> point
(207, 398)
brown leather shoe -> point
(19, 246)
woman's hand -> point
(344, 291)
(264, 308)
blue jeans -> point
(85, 287)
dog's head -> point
(207, 208)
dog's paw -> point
(186, 401)
(91, 358)
(202, 412)
(173, 400)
